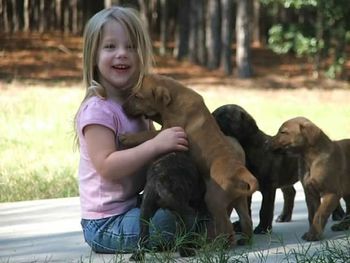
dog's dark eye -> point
(138, 96)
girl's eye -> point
(131, 47)
(109, 46)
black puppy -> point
(174, 183)
(272, 169)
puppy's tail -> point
(247, 183)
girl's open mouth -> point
(121, 67)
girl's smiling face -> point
(117, 60)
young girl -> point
(117, 54)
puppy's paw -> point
(284, 218)
(236, 226)
(343, 225)
(186, 251)
(243, 241)
(134, 139)
(124, 139)
(231, 241)
(138, 255)
(261, 230)
(310, 236)
(338, 214)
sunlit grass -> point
(329, 109)
(36, 130)
(36, 142)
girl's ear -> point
(161, 95)
(310, 131)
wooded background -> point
(207, 32)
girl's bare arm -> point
(114, 164)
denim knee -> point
(111, 235)
(120, 234)
(162, 228)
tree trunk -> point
(41, 16)
(35, 13)
(4, 15)
(194, 29)
(58, 14)
(65, 16)
(182, 30)
(227, 32)
(91, 7)
(143, 13)
(202, 52)
(213, 34)
(107, 3)
(243, 51)
(256, 23)
(26, 16)
(74, 12)
(14, 15)
(163, 26)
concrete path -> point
(49, 231)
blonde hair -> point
(130, 20)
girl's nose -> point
(121, 52)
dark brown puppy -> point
(228, 181)
(328, 165)
(272, 169)
(174, 183)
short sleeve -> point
(96, 111)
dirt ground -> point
(51, 59)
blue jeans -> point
(119, 234)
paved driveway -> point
(49, 231)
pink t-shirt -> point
(100, 198)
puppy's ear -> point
(310, 131)
(162, 95)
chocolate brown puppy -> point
(328, 166)
(173, 183)
(228, 181)
(272, 169)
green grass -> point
(327, 251)
(329, 109)
(37, 159)
(36, 143)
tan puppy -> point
(228, 182)
(328, 165)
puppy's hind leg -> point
(237, 225)
(148, 208)
(313, 201)
(347, 204)
(338, 214)
(187, 241)
(266, 210)
(185, 224)
(245, 220)
(329, 203)
(216, 201)
(344, 224)
(288, 197)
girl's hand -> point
(171, 139)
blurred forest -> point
(221, 35)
